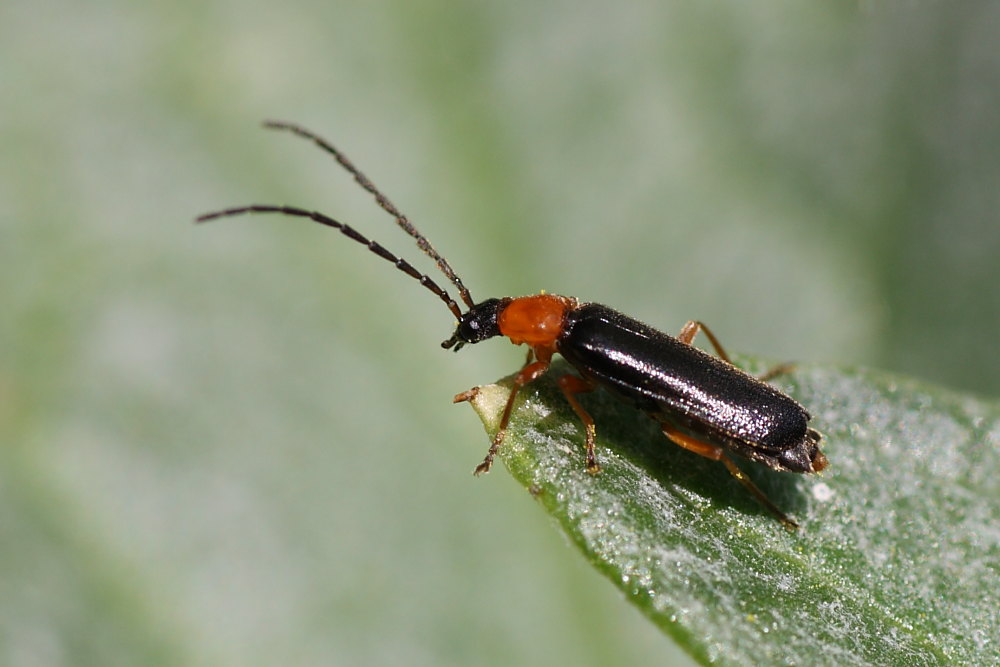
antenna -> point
(352, 233)
(382, 201)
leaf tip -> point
(488, 402)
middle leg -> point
(691, 329)
(572, 385)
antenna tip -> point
(278, 125)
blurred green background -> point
(234, 444)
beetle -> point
(701, 402)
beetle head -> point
(477, 324)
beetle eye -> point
(477, 324)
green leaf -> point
(896, 561)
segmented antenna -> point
(350, 233)
(382, 201)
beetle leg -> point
(716, 453)
(572, 385)
(780, 369)
(470, 394)
(466, 395)
(528, 372)
(691, 330)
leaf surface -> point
(897, 558)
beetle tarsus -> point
(466, 395)
(592, 467)
(487, 463)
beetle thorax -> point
(536, 320)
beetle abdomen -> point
(675, 382)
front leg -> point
(529, 372)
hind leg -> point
(717, 453)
